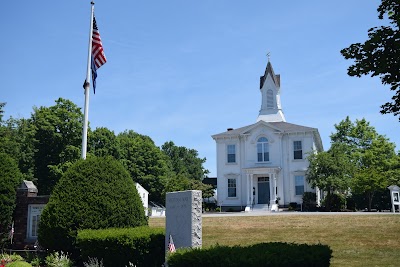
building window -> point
(270, 99)
(231, 187)
(34, 213)
(231, 152)
(298, 150)
(299, 184)
(262, 150)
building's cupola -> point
(270, 87)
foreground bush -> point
(263, 254)
(19, 264)
(57, 259)
(95, 193)
(141, 246)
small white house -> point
(156, 210)
(144, 196)
(265, 162)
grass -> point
(356, 240)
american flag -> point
(171, 245)
(98, 57)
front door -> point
(263, 190)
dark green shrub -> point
(293, 206)
(142, 246)
(309, 201)
(95, 193)
(381, 201)
(10, 179)
(263, 254)
(337, 202)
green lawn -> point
(356, 240)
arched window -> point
(270, 99)
(262, 149)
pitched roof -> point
(291, 128)
(28, 186)
(276, 78)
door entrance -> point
(263, 190)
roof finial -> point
(268, 55)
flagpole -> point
(86, 86)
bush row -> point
(142, 246)
(262, 254)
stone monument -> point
(183, 219)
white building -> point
(265, 161)
(144, 196)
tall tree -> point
(330, 171)
(16, 140)
(179, 182)
(145, 162)
(103, 142)
(375, 165)
(58, 138)
(367, 159)
(185, 161)
(380, 54)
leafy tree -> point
(8, 138)
(16, 140)
(372, 155)
(359, 159)
(375, 164)
(380, 54)
(145, 162)
(179, 182)
(10, 178)
(330, 171)
(57, 141)
(103, 142)
(185, 161)
(95, 193)
(356, 136)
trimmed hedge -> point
(262, 254)
(142, 246)
(96, 193)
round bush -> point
(95, 193)
(10, 179)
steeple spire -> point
(270, 84)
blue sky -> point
(185, 70)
